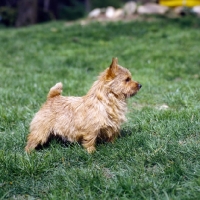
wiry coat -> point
(98, 114)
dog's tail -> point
(56, 90)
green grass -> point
(158, 155)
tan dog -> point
(97, 115)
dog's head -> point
(120, 80)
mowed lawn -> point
(158, 153)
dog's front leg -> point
(89, 142)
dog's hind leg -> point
(37, 137)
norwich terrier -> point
(97, 115)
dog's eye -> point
(128, 79)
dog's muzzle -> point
(139, 86)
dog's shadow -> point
(126, 132)
(52, 140)
(64, 143)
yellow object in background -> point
(174, 3)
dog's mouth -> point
(134, 93)
(130, 95)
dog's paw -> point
(91, 149)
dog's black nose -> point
(139, 85)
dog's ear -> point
(112, 69)
(113, 65)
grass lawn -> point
(158, 154)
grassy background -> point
(157, 156)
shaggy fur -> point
(97, 115)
